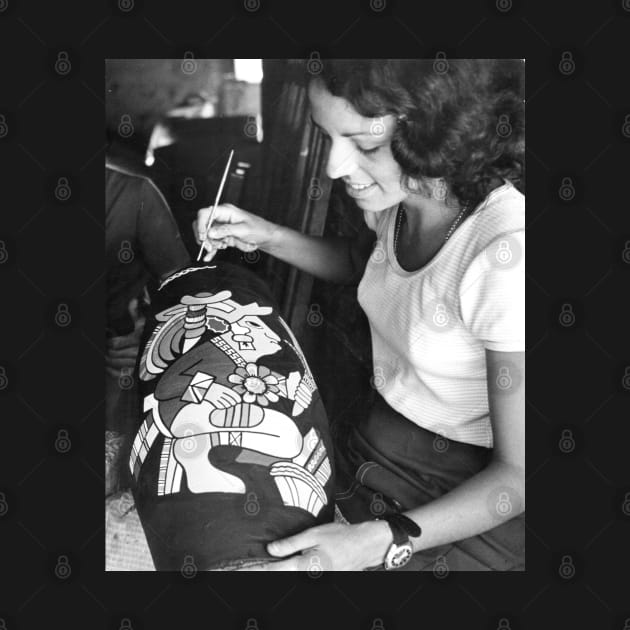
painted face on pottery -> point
(360, 151)
(253, 338)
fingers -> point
(134, 309)
(210, 253)
(130, 352)
(112, 373)
(123, 342)
(138, 327)
(225, 213)
(222, 231)
(137, 317)
(290, 545)
(283, 565)
(118, 372)
(120, 364)
(212, 246)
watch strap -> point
(402, 527)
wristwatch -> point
(400, 551)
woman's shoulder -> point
(501, 212)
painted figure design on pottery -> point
(214, 392)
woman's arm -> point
(471, 508)
(465, 511)
(335, 259)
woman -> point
(430, 153)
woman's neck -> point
(427, 217)
(428, 221)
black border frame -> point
(578, 500)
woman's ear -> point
(420, 186)
(439, 189)
(413, 185)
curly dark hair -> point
(462, 120)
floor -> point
(125, 544)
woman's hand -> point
(232, 227)
(331, 547)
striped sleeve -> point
(492, 294)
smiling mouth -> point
(360, 191)
(358, 187)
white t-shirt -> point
(430, 328)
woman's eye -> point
(368, 151)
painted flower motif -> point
(255, 383)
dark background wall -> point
(146, 89)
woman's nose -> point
(341, 160)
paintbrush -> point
(216, 202)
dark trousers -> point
(391, 464)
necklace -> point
(401, 214)
(455, 223)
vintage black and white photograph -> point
(315, 313)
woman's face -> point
(360, 150)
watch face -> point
(398, 556)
